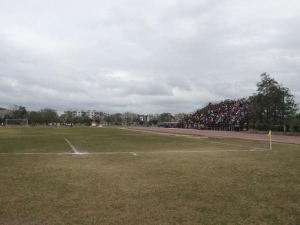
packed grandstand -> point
(225, 115)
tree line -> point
(273, 107)
(47, 116)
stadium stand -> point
(225, 115)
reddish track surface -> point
(229, 134)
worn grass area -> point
(212, 186)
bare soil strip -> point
(221, 134)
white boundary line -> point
(216, 142)
(136, 153)
(200, 137)
(208, 151)
(76, 152)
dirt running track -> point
(222, 134)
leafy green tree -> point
(137, 120)
(107, 119)
(114, 119)
(49, 115)
(86, 120)
(153, 122)
(272, 106)
(82, 120)
(117, 118)
(63, 118)
(68, 117)
(166, 117)
(18, 112)
(34, 117)
(296, 123)
(77, 120)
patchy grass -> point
(213, 186)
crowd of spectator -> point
(230, 112)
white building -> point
(76, 113)
(90, 113)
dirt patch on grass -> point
(168, 134)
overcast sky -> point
(144, 56)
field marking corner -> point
(74, 149)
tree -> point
(296, 123)
(49, 115)
(153, 122)
(115, 119)
(166, 117)
(272, 106)
(136, 120)
(18, 112)
(86, 120)
(34, 117)
(67, 117)
(77, 120)
(82, 120)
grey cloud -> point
(148, 56)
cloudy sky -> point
(144, 56)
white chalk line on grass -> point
(133, 153)
(206, 151)
(221, 143)
(202, 138)
(76, 152)
(87, 153)
(66, 153)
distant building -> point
(90, 113)
(77, 113)
(144, 118)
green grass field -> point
(143, 178)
